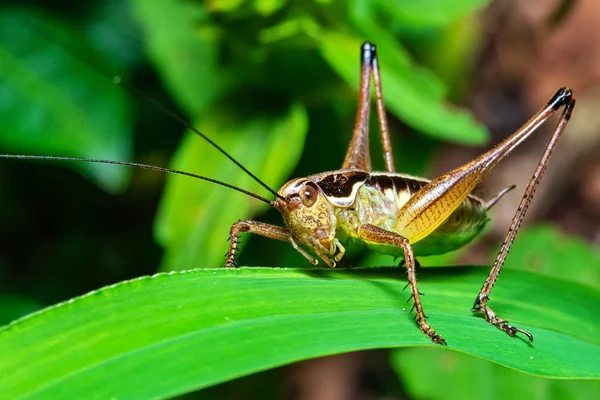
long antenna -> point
(160, 107)
(188, 125)
(137, 165)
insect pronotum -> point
(387, 211)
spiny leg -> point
(480, 305)
(375, 234)
(434, 203)
(260, 228)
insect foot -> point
(234, 239)
(426, 329)
(502, 324)
(259, 228)
(421, 320)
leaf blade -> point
(183, 331)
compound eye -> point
(308, 194)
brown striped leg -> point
(388, 155)
(481, 302)
(374, 234)
(358, 155)
(260, 228)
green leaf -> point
(176, 332)
(268, 7)
(452, 54)
(459, 376)
(195, 217)
(546, 250)
(185, 55)
(414, 96)
(52, 103)
(427, 14)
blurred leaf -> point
(547, 251)
(414, 154)
(113, 31)
(459, 376)
(224, 5)
(186, 60)
(416, 97)
(427, 14)
(172, 333)
(453, 53)
(268, 7)
(561, 12)
(52, 103)
(195, 217)
(285, 30)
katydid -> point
(388, 212)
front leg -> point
(375, 234)
(260, 228)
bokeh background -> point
(274, 82)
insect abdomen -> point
(462, 226)
(379, 200)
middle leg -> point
(375, 234)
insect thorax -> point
(377, 198)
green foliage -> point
(421, 15)
(273, 82)
(458, 376)
(251, 61)
(172, 333)
(545, 250)
(63, 108)
(186, 60)
(414, 96)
